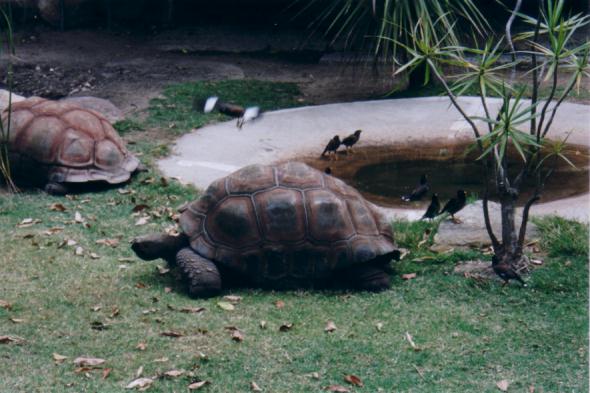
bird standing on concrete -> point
(505, 271)
(454, 205)
(418, 192)
(236, 111)
(331, 147)
(433, 208)
(351, 140)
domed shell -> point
(285, 221)
(78, 144)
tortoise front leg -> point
(54, 188)
(201, 274)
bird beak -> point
(210, 104)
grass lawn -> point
(105, 303)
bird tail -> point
(210, 104)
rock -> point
(4, 99)
(100, 105)
(472, 232)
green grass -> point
(469, 334)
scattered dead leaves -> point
(108, 242)
(408, 276)
(171, 333)
(226, 306)
(330, 327)
(141, 346)
(254, 387)
(197, 385)
(233, 298)
(353, 380)
(410, 340)
(286, 327)
(140, 383)
(173, 373)
(5, 305)
(279, 304)
(503, 385)
(11, 339)
(84, 361)
(58, 358)
(337, 388)
(57, 207)
(28, 222)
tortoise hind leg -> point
(367, 278)
(201, 274)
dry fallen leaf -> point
(94, 255)
(140, 383)
(171, 333)
(226, 306)
(57, 207)
(330, 327)
(503, 385)
(254, 387)
(88, 361)
(173, 373)
(125, 191)
(79, 251)
(408, 276)
(237, 336)
(5, 305)
(233, 298)
(78, 218)
(141, 346)
(27, 222)
(337, 388)
(279, 304)
(139, 372)
(11, 339)
(379, 326)
(162, 270)
(531, 389)
(262, 324)
(71, 242)
(59, 358)
(106, 372)
(108, 242)
(167, 289)
(411, 341)
(138, 208)
(285, 327)
(142, 221)
(197, 385)
(315, 375)
(192, 310)
(353, 380)
(16, 320)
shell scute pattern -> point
(283, 222)
(78, 144)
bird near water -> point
(331, 147)
(418, 192)
(236, 111)
(505, 271)
(351, 140)
(433, 208)
(454, 205)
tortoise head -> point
(154, 246)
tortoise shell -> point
(77, 144)
(285, 221)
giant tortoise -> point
(63, 143)
(277, 226)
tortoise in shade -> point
(61, 144)
(281, 227)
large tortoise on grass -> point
(280, 226)
(61, 143)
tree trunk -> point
(509, 235)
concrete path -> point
(216, 150)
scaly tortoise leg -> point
(54, 188)
(201, 274)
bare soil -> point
(130, 69)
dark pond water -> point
(386, 182)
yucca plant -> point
(519, 124)
(6, 33)
(378, 25)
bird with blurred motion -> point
(331, 147)
(454, 205)
(351, 140)
(505, 271)
(433, 208)
(236, 111)
(418, 192)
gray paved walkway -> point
(216, 150)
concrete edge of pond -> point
(294, 134)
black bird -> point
(418, 192)
(236, 111)
(350, 140)
(454, 205)
(433, 208)
(505, 271)
(332, 146)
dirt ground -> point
(130, 69)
